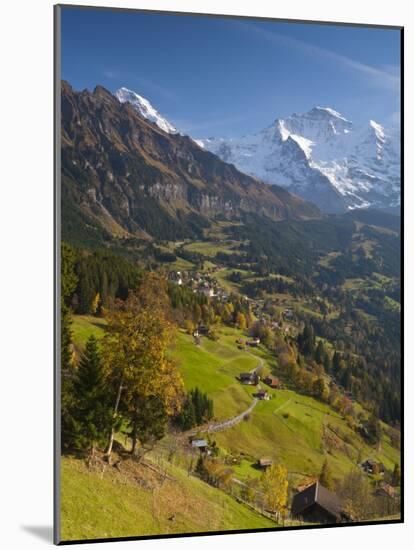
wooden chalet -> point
(272, 381)
(369, 466)
(262, 395)
(200, 444)
(316, 504)
(253, 343)
(264, 462)
(249, 378)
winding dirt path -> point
(230, 422)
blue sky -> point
(226, 77)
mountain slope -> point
(323, 157)
(122, 175)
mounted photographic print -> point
(228, 274)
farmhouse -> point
(253, 343)
(175, 277)
(249, 378)
(200, 444)
(262, 395)
(272, 381)
(371, 466)
(207, 291)
(288, 314)
(316, 504)
(264, 462)
(203, 329)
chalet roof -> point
(246, 375)
(199, 443)
(265, 461)
(317, 494)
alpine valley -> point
(230, 322)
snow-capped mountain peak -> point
(145, 109)
(322, 156)
(328, 111)
(378, 130)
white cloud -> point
(110, 74)
(386, 78)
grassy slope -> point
(211, 248)
(295, 440)
(213, 367)
(84, 326)
(99, 507)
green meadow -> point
(96, 506)
(290, 428)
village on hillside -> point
(312, 502)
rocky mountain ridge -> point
(123, 173)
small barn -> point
(264, 462)
(272, 381)
(253, 343)
(371, 466)
(200, 444)
(262, 395)
(316, 504)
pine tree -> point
(320, 353)
(327, 363)
(187, 419)
(91, 411)
(68, 285)
(198, 405)
(325, 477)
(374, 429)
(306, 340)
(319, 389)
(336, 362)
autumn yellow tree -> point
(241, 321)
(96, 303)
(274, 483)
(227, 312)
(189, 326)
(147, 385)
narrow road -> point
(230, 422)
(260, 365)
(218, 427)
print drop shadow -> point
(43, 532)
